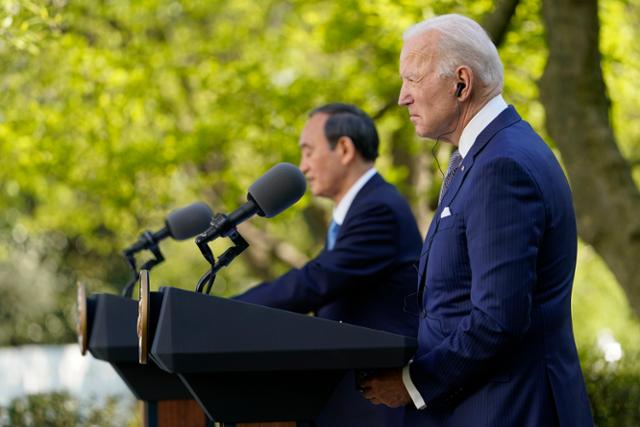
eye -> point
(412, 79)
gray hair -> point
(463, 42)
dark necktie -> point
(454, 165)
(332, 234)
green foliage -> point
(600, 309)
(599, 305)
(614, 390)
(26, 25)
(524, 54)
(151, 105)
(116, 112)
(60, 409)
(34, 306)
(621, 65)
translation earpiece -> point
(459, 87)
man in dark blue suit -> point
(495, 343)
(366, 272)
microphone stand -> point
(240, 244)
(129, 255)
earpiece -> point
(459, 87)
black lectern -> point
(248, 363)
(112, 338)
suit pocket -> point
(447, 222)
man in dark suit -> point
(495, 343)
(366, 272)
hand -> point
(385, 388)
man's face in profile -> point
(428, 96)
(322, 166)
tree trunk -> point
(574, 95)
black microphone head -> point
(189, 221)
(276, 190)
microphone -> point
(276, 190)
(180, 224)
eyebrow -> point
(414, 76)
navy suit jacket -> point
(495, 343)
(366, 279)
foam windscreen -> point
(189, 221)
(276, 190)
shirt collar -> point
(340, 211)
(481, 120)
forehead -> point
(418, 52)
(313, 131)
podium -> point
(111, 336)
(245, 363)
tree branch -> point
(496, 22)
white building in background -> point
(42, 369)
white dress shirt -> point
(470, 133)
(341, 209)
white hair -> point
(463, 42)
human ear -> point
(464, 83)
(347, 149)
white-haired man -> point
(495, 344)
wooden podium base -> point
(174, 413)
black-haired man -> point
(366, 270)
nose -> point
(404, 98)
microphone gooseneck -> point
(276, 190)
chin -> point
(425, 132)
(421, 132)
(316, 193)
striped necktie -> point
(454, 165)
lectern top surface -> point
(202, 333)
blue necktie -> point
(454, 164)
(332, 234)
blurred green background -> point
(113, 113)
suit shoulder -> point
(520, 143)
(382, 194)
(524, 156)
(517, 141)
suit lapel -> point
(374, 182)
(506, 118)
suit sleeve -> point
(504, 223)
(366, 246)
